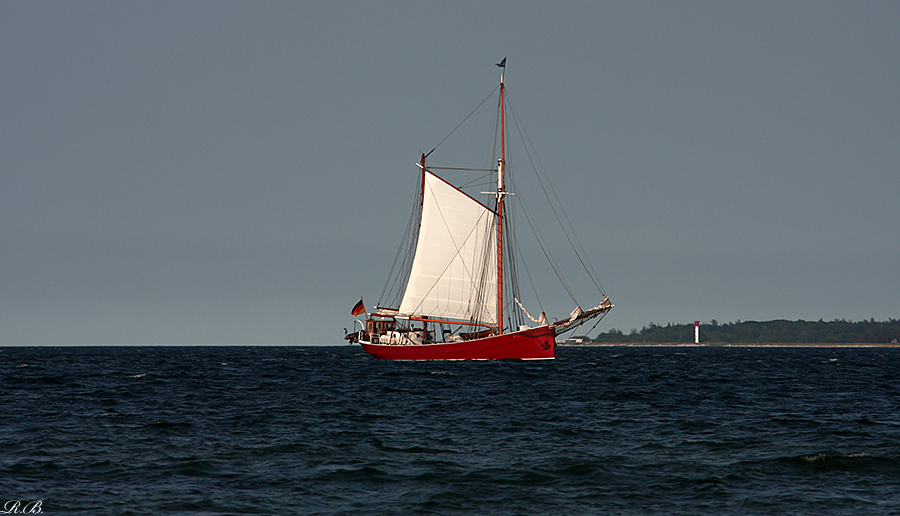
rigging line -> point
(463, 169)
(481, 295)
(464, 121)
(481, 182)
(596, 323)
(402, 276)
(580, 255)
(530, 279)
(543, 245)
(592, 273)
(392, 295)
(494, 149)
(535, 229)
(410, 238)
(580, 324)
(510, 269)
(515, 257)
(406, 234)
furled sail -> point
(454, 272)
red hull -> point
(535, 343)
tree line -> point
(754, 332)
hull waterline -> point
(532, 344)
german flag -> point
(358, 308)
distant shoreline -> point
(723, 345)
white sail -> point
(454, 272)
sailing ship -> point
(457, 279)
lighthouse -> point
(696, 332)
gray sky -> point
(215, 172)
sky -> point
(240, 172)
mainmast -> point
(501, 165)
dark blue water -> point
(300, 430)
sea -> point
(331, 431)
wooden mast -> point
(500, 193)
(422, 193)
